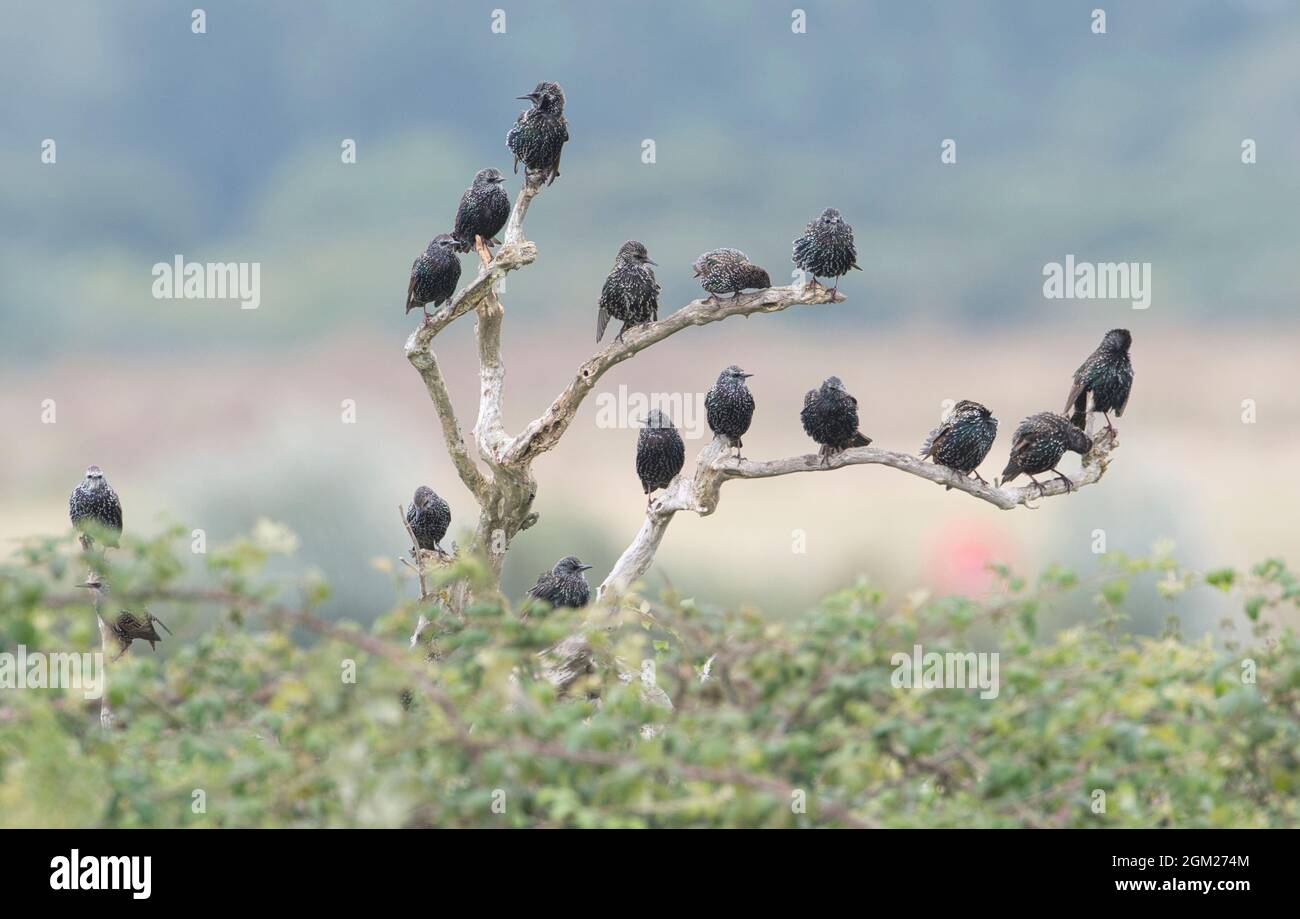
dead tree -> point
(498, 468)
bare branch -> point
(715, 465)
(545, 432)
(426, 362)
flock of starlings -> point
(631, 294)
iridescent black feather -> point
(428, 516)
(127, 628)
(1039, 443)
(484, 210)
(630, 293)
(434, 274)
(660, 453)
(540, 133)
(729, 406)
(964, 438)
(830, 417)
(95, 510)
(564, 585)
(729, 271)
(826, 250)
(1108, 375)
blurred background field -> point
(225, 146)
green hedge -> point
(249, 715)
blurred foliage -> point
(258, 714)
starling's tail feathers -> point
(1012, 470)
(859, 440)
(1078, 399)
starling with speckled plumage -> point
(660, 453)
(484, 210)
(830, 417)
(539, 134)
(434, 274)
(128, 628)
(428, 516)
(95, 511)
(963, 440)
(631, 292)
(1038, 445)
(826, 250)
(729, 406)
(1108, 375)
(729, 271)
(564, 585)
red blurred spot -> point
(957, 559)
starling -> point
(434, 274)
(1108, 375)
(826, 247)
(660, 453)
(428, 516)
(95, 510)
(563, 585)
(729, 271)
(1038, 445)
(730, 406)
(830, 417)
(539, 134)
(963, 440)
(128, 628)
(631, 292)
(484, 210)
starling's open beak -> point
(531, 97)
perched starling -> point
(729, 271)
(128, 628)
(484, 210)
(95, 510)
(631, 292)
(964, 439)
(730, 406)
(539, 134)
(1108, 375)
(428, 516)
(826, 247)
(830, 417)
(660, 453)
(563, 585)
(434, 274)
(1040, 442)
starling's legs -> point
(975, 473)
(1109, 427)
(1069, 486)
(836, 288)
(1036, 482)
